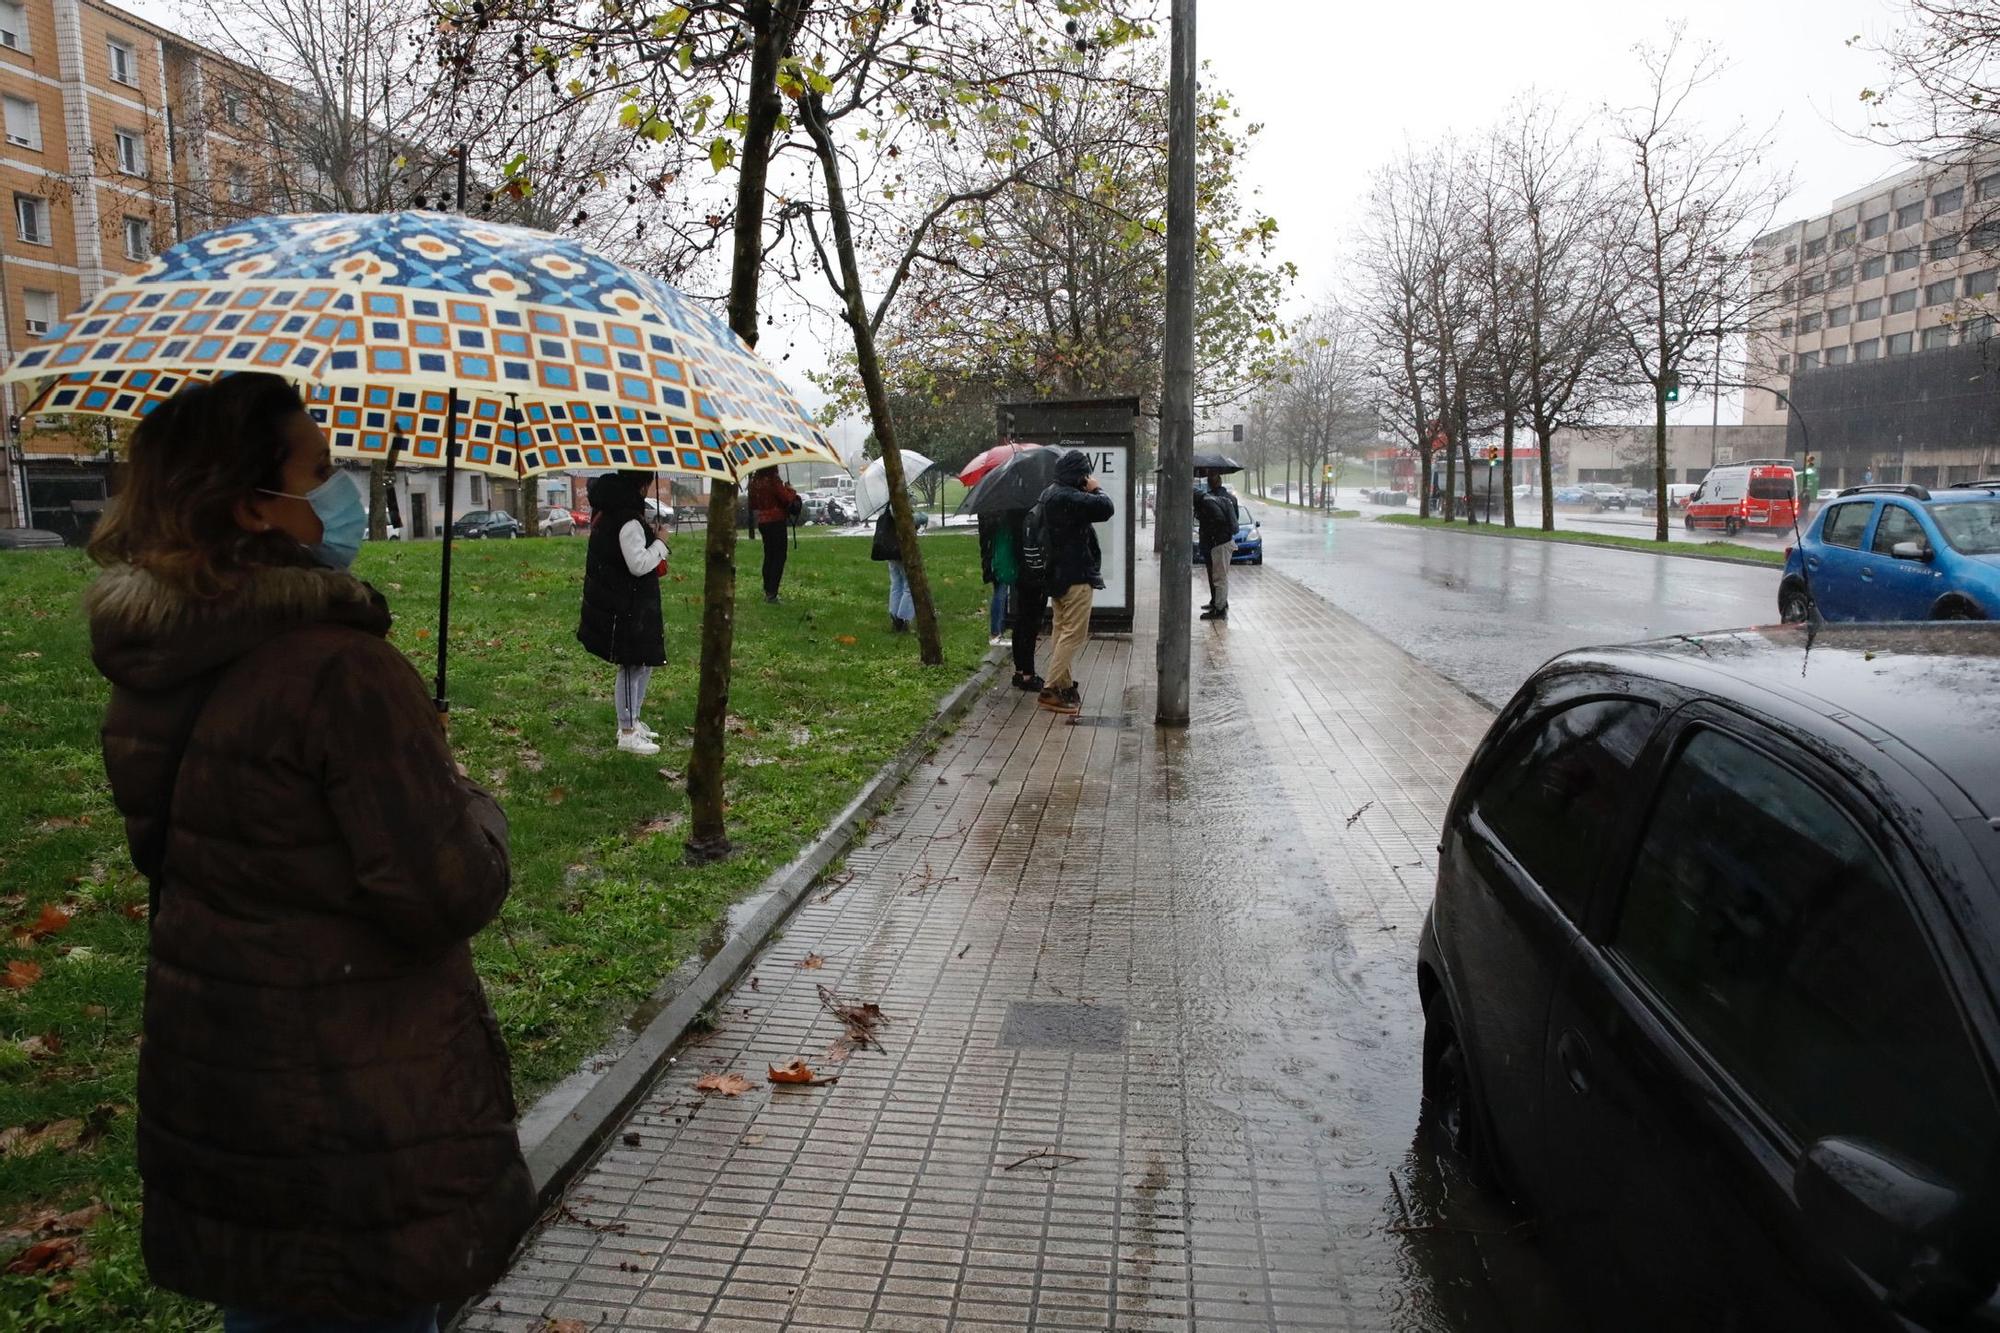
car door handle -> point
(1813, 563)
(1868, 571)
(1574, 1057)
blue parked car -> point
(1899, 553)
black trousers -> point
(774, 535)
(1031, 603)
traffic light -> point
(1236, 433)
(1670, 392)
(1492, 453)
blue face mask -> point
(343, 519)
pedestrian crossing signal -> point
(1670, 392)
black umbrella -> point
(1015, 484)
(1216, 463)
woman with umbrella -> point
(621, 620)
(326, 1125)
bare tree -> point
(1684, 268)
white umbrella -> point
(871, 488)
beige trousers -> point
(1072, 627)
(1218, 574)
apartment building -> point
(1906, 268)
(120, 138)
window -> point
(1909, 215)
(13, 26)
(1845, 523)
(1869, 309)
(1984, 236)
(1944, 247)
(1809, 323)
(1838, 316)
(1784, 363)
(1569, 772)
(1977, 330)
(234, 109)
(1981, 283)
(1903, 302)
(31, 218)
(1868, 349)
(1789, 292)
(1938, 293)
(1808, 360)
(239, 186)
(1937, 337)
(131, 152)
(1899, 344)
(1814, 249)
(1874, 268)
(24, 123)
(38, 310)
(1897, 524)
(1971, 527)
(1843, 238)
(1760, 914)
(1791, 254)
(1889, 473)
(138, 238)
(1904, 259)
(1840, 277)
(124, 63)
(1784, 328)
(1875, 226)
(1836, 356)
(1949, 201)
(1813, 285)
(475, 489)
(1923, 476)
(1988, 187)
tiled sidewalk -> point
(1178, 963)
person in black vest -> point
(621, 598)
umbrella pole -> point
(444, 578)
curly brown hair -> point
(190, 462)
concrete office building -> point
(1901, 272)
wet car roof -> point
(1935, 687)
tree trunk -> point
(772, 24)
(1450, 479)
(1545, 441)
(930, 647)
(1423, 480)
(1660, 465)
(531, 515)
(378, 503)
(1465, 448)
(1507, 463)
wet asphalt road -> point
(1486, 611)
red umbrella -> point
(971, 473)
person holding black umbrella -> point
(1215, 517)
(1069, 510)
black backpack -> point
(1034, 541)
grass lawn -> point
(1692, 550)
(603, 906)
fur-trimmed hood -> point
(148, 635)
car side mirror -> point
(1895, 1223)
(1910, 551)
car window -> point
(1765, 920)
(1897, 524)
(1971, 526)
(1770, 488)
(476, 516)
(1557, 792)
(1844, 524)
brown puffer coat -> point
(325, 1119)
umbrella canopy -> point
(972, 472)
(1015, 484)
(558, 357)
(871, 488)
(1216, 463)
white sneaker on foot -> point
(645, 731)
(631, 742)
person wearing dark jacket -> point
(772, 504)
(326, 1121)
(1029, 602)
(621, 620)
(888, 547)
(998, 566)
(1215, 521)
(1071, 505)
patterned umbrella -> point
(553, 356)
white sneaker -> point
(1000, 641)
(645, 731)
(631, 742)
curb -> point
(570, 1143)
(1479, 530)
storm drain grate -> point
(1120, 720)
(1052, 1026)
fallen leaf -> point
(20, 975)
(53, 921)
(28, 656)
(672, 774)
(730, 1085)
(96, 1011)
(751, 1140)
(72, 1223)
(666, 825)
(557, 795)
(754, 985)
(798, 1071)
(423, 634)
(837, 1053)
(810, 961)
(631, 1138)
(846, 640)
(47, 1256)
(136, 911)
(43, 1047)
(555, 1325)
(27, 1142)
